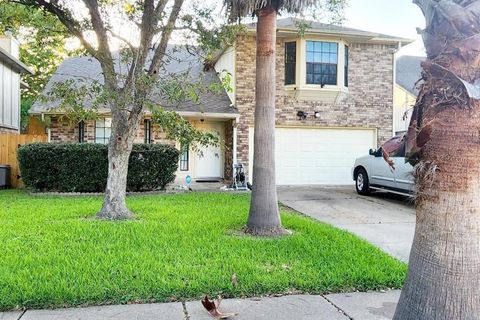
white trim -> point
(194, 114)
(234, 151)
(209, 115)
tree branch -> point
(104, 54)
(65, 18)
(166, 34)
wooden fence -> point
(9, 144)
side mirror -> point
(372, 152)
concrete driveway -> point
(386, 220)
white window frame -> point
(103, 130)
(301, 65)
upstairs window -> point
(322, 61)
(290, 62)
(81, 131)
(103, 129)
(346, 67)
(148, 130)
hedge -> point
(83, 167)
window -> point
(148, 130)
(103, 129)
(322, 60)
(184, 158)
(81, 131)
(290, 62)
(345, 81)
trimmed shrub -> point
(83, 167)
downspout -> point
(394, 84)
(48, 129)
(234, 151)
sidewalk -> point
(362, 306)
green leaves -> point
(179, 129)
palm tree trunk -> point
(443, 280)
(264, 217)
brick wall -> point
(61, 131)
(368, 103)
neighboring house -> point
(408, 73)
(10, 70)
(334, 101)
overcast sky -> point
(392, 17)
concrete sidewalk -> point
(362, 306)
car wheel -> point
(361, 182)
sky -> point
(393, 17)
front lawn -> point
(53, 253)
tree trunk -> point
(443, 280)
(264, 217)
(119, 149)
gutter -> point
(13, 62)
(394, 84)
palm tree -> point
(264, 217)
(443, 280)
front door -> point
(209, 160)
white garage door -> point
(318, 156)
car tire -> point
(361, 182)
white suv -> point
(372, 172)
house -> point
(10, 70)
(334, 101)
(408, 73)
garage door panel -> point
(317, 156)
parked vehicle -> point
(372, 172)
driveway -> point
(387, 221)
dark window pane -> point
(317, 68)
(81, 131)
(310, 67)
(290, 62)
(346, 67)
(184, 155)
(309, 78)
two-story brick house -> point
(334, 102)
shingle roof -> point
(408, 72)
(182, 61)
(318, 27)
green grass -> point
(53, 253)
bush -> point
(83, 167)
